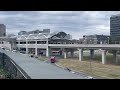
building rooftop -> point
(42, 36)
(8, 38)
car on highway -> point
(52, 59)
(31, 55)
(14, 50)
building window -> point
(22, 42)
(41, 42)
(31, 42)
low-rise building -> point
(8, 43)
(95, 39)
(37, 43)
(2, 30)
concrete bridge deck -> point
(97, 46)
(40, 70)
(80, 47)
(88, 46)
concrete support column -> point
(72, 53)
(13, 46)
(26, 50)
(62, 53)
(47, 42)
(80, 54)
(47, 49)
(115, 56)
(26, 47)
(36, 51)
(47, 52)
(18, 42)
(103, 56)
(65, 53)
(91, 53)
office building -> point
(46, 31)
(39, 42)
(95, 39)
(115, 28)
(2, 30)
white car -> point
(13, 50)
(7, 50)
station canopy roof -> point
(42, 36)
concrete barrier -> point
(12, 69)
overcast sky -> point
(76, 23)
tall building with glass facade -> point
(2, 30)
(115, 28)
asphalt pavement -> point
(36, 69)
(57, 58)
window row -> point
(32, 42)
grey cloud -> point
(79, 22)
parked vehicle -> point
(23, 52)
(35, 56)
(13, 50)
(52, 59)
(31, 55)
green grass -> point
(103, 71)
(115, 76)
(42, 59)
(2, 73)
(111, 70)
(98, 58)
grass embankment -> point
(2, 73)
(109, 71)
(42, 58)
